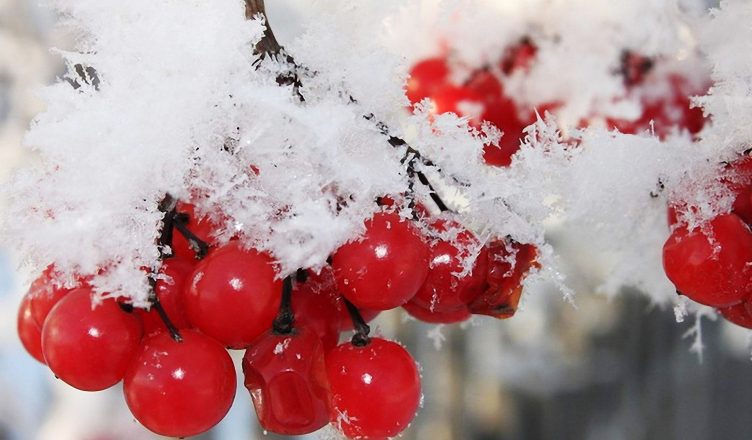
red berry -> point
(44, 294)
(426, 315)
(375, 388)
(672, 217)
(486, 85)
(738, 314)
(28, 331)
(286, 377)
(711, 264)
(233, 295)
(738, 178)
(461, 101)
(425, 78)
(386, 267)
(503, 113)
(444, 289)
(170, 293)
(88, 347)
(508, 265)
(180, 389)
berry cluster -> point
(665, 98)
(481, 98)
(711, 263)
(178, 377)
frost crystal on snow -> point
(197, 115)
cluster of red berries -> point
(712, 263)
(481, 98)
(178, 377)
(665, 99)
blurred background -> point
(605, 368)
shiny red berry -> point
(28, 331)
(457, 269)
(426, 315)
(425, 78)
(375, 388)
(509, 263)
(462, 101)
(486, 85)
(180, 389)
(385, 267)
(233, 295)
(286, 377)
(710, 264)
(738, 178)
(89, 346)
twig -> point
(199, 246)
(269, 46)
(87, 74)
(154, 300)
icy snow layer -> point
(182, 108)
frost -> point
(680, 310)
(437, 336)
(197, 115)
(695, 332)
(282, 346)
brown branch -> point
(268, 44)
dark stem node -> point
(360, 338)
(285, 320)
(154, 300)
(301, 276)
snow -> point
(196, 115)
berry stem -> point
(167, 205)
(301, 276)
(154, 300)
(414, 156)
(199, 246)
(360, 338)
(283, 323)
(268, 43)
